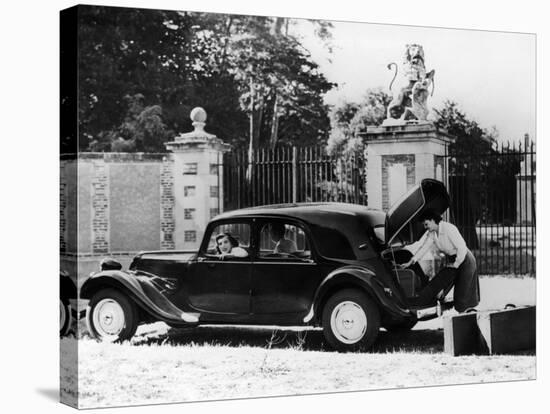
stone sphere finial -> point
(198, 114)
(198, 138)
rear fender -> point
(141, 291)
(358, 277)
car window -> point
(239, 231)
(279, 240)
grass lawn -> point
(210, 363)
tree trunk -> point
(255, 126)
(277, 25)
(274, 124)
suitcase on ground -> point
(461, 334)
(490, 332)
(509, 330)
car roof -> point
(310, 212)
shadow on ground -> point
(51, 394)
(425, 341)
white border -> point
(30, 204)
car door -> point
(283, 283)
(221, 286)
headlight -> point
(109, 264)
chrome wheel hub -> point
(348, 322)
(108, 319)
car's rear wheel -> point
(351, 320)
(111, 316)
(64, 317)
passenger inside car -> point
(228, 246)
(282, 244)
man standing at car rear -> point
(444, 237)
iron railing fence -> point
(493, 193)
(493, 197)
(291, 175)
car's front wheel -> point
(351, 320)
(64, 316)
(111, 316)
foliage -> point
(175, 61)
(350, 121)
(121, 54)
(280, 87)
(471, 138)
(142, 130)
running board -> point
(428, 313)
(433, 311)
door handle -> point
(211, 265)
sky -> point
(491, 75)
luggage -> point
(507, 331)
(490, 332)
(460, 334)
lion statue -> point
(413, 71)
(419, 99)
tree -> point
(281, 89)
(469, 166)
(471, 138)
(350, 121)
(126, 51)
(179, 60)
(142, 130)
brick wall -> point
(62, 208)
(167, 201)
(114, 205)
(100, 207)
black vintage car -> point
(338, 272)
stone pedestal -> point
(198, 181)
(400, 156)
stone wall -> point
(114, 205)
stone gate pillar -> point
(198, 181)
(526, 186)
(400, 156)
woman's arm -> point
(238, 252)
(419, 248)
(427, 243)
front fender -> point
(67, 288)
(141, 291)
(355, 276)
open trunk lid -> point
(429, 194)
